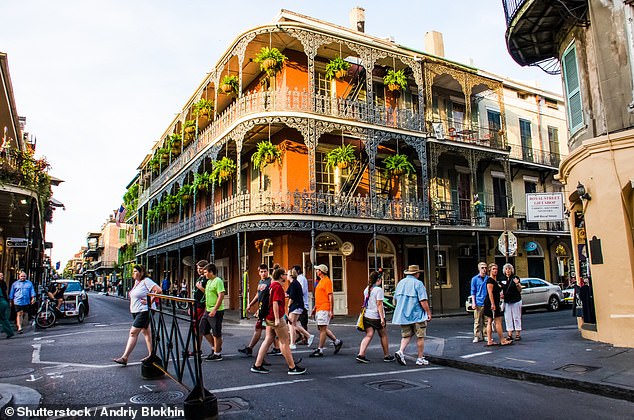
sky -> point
(100, 81)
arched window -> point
(385, 260)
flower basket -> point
(398, 172)
(342, 165)
(269, 159)
(266, 154)
(268, 64)
(340, 74)
(393, 87)
(341, 156)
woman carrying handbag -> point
(374, 318)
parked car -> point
(535, 293)
(539, 293)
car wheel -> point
(553, 303)
(87, 308)
(82, 314)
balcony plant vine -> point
(397, 165)
(203, 108)
(189, 131)
(266, 154)
(341, 156)
(337, 68)
(395, 80)
(271, 60)
(223, 170)
(229, 85)
(202, 181)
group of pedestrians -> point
(411, 313)
(493, 297)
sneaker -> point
(311, 338)
(362, 359)
(338, 345)
(400, 358)
(259, 369)
(247, 351)
(388, 358)
(274, 352)
(317, 353)
(213, 357)
(476, 339)
(297, 370)
(293, 347)
(421, 361)
(20, 331)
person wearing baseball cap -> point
(324, 310)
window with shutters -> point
(573, 92)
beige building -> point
(103, 252)
(591, 43)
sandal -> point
(509, 337)
(121, 360)
(492, 344)
(506, 343)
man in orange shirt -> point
(324, 310)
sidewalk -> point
(556, 356)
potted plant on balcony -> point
(397, 165)
(154, 213)
(271, 60)
(337, 68)
(202, 181)
(185, 193)
(189, 131)
(229, 85)
(223, 170)
(341, 157)
(202, 111)
(174, 143)
(395, 80)
(266, 154)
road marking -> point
(255, 386)
(520, 360)
(35, 357)
(78, 333)
(393, 372)
(469, 356)
(33, 378)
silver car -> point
(539, 293)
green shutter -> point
(573, 93)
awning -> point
(56, 203)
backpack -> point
(264, 304)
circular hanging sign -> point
(347, 248)
(530, 246)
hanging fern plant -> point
(395, 80)
(397, 165)
(266, 154)
(271, 60)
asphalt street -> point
(70, 365)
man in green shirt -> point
(211, 322)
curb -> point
(604, 390)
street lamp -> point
(582, 193)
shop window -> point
(442, 277)
(385, 260)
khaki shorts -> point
(322, 317)
(419, 328)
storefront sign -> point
(347, 248)
(544, 207)
(17, 242)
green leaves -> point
(397, 165)
(266, 153)
(336, 68)
(271, 60)
(395, 80)
(341, 156)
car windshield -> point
(73, 287)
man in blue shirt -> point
(411, 313)
(478, 294)
(22, 295)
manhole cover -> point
(10, 373)
(572, 368)
(393, 385)
(232, 405)
(157, 397)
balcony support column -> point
(239, 51)
(473, 166)
(368, 57)
(509, 187)
(311, 41)
(372, 140)
(420, 145)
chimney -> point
(434, 43)
(357, 19)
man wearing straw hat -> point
(411, 313)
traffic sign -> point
(507, 244)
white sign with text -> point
(545, 207)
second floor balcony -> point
(295, 205)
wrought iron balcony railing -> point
(510, 7)
(291, 203)
(528, 154)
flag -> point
(121, 215)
